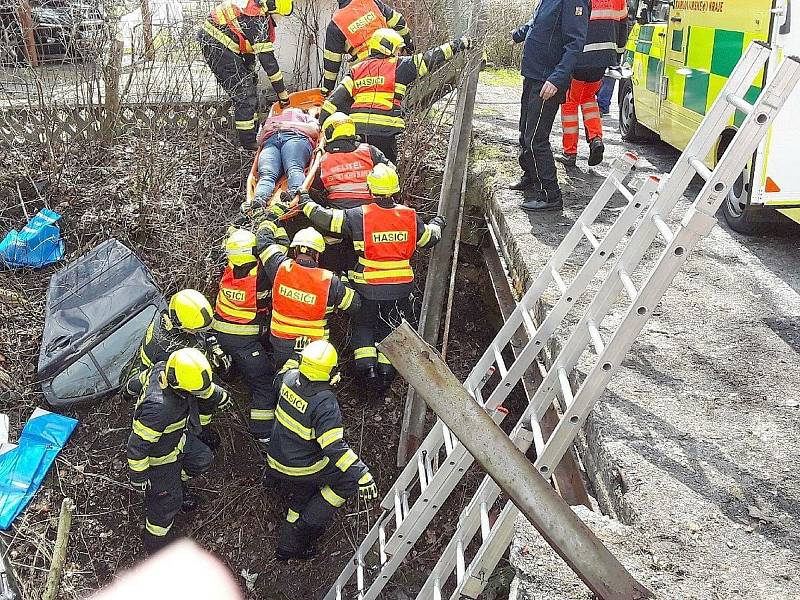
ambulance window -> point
(659, 11)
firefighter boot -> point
(247, 139)
(153, 543)
(210, 438)
(295, 541)
(387, 375)
(190, 501)
(596, 150)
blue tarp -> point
(22, 469)
(38, 244)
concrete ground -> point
(694, 445)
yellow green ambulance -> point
(681, 53)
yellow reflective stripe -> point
(448, 50)
(144, 358)
(206, 419)
(382, 99)
(235, 328)
(348, 84)
(400, 88)
(329, 107)
(156, 530)
(384, 264)
(294, 330)
(382, 359)
(365, 352)
(336, 56)
(242, 313)
(385, 274)
(330, 436)
(424, 238)
(301, 322)
(394, 19)
(264, 47)
(175, 426)
(271, 251)
(421, 65)
(365, 478)
(171, 457)
(404, 31)
(346, 460)
(349, 294)
(292, 515)
(245, 125)
(292, 425)
(298, 471)
(388, 121)
(358, 244)
(139, 465)
(144, 432)
(332, 497)
(337, 221)
(277, 77)
(261, 414)
(218, 35)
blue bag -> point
(38, 244)
(22, 469)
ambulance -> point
(680, 53)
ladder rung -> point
(597, 340)
(498, 357)
(622, 189)
(486, 528)
(589, 236)
(460, 566)
(663, 229)
(740, 103)
(448, 440)
(528, 322)
(360, 574)
(398, 510)
(566, 388)
(423, 473)
(700, 167)
(382, 543)
(627, 283)
(562, 287)
(536, 435)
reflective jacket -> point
(242, 301)
(605, 39)
(385, 237)
(343, 172)
(246, 28)
(308, 433)
(373, 92)
(350, 29)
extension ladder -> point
(441, 461)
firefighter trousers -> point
(582, 95)
(374, 321)
(312, 501)
(237, 75)
(254, 365)
(283, 350)
(385, 143)
(164, 498)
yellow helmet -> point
(383, 180)
(240, 246)
(308, 238)
(318, 360)
(189, 309)
(188, 369)
(386, 41)
(279, 7)
(338, 125)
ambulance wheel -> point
(736, 209)
(629, 127)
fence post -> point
(112, 72)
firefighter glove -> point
(367, 490)
(467, 43)
(284, 102)
(225, 402)
(220, 361)
(440, 221)
(301, 343)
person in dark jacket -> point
(554, 40)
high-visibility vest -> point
(227, 14)
(612, 10)
(390, 240)
(300, 301)
(374, 85)
(344, 174)
(237, 303)
(358, 21)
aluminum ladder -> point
(440, 462)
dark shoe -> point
(295, 541)
(190, 502)
(301, 554)
(521, 185)
(153, 543)
(247, 139)
(387, 374)
(596, 150)
(540, 205)
(604, 112)
(210, 438)
(568, 160)
(269, 481)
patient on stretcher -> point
(287, 141)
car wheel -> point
(736, 209)
(629, 127)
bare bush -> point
(503, 17)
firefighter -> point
(303, 294)
(350, 29)
(239, 316)
(183, 325)
(235, 33)
(343, 178)
(605, 44)
(163, 448)
(374, 90)
(309, 454)
(385, 236)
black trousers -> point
(385, 143)
(283, 350)
(535, 123)
(237, 75)
(258, 371)
(340, 257)
(374, 321)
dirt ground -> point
(699, 429)
(169, 201)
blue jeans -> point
(286, 152)
(605, 93)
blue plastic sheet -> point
(23, 468)
(38, 244)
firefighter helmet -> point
(318, 360)
(386, 41)
(279, 7)
(190, 310)
(383, 180)
(338, 125)
(240, 246)
(188, 369)
(309, 238)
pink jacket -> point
(291, 119)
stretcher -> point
(310, 100)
